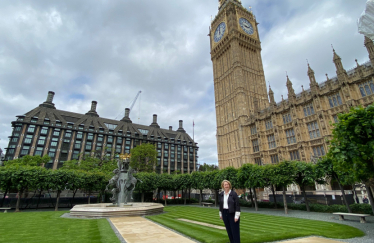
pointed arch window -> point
(366, 88)
(335, 100)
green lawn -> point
(29, 227)
(253, 227)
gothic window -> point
(290, 134)
(287, 118)
(335, 118)
(308, 109)
(268, 124)
(253, 130)
(271, 141)
(335, 100)
(256, 148)
(258, 161)
(313, 130)
(366, 88)
(274, 159)
(319, 151)
(294, 155)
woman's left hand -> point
(236, 220)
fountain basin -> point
(108, 210)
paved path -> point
(312, 240)
(138, 229)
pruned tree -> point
(284, 175)
(251, 176)
(198, 182)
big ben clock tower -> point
(239, 82)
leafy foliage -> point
(28, 160)
(143, 157)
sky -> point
(109, 50)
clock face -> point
(246, 26)
(219, 32)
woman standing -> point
(229, 211)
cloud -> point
(109, 50)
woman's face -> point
(226, 186)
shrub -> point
(209, 201)
(361, 208)
(337, 208)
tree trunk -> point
(216, 198)
(189, 195)
(28, 200)
(305, 198)
(201, 196)
(142, 197)
(2, 202)
(370, 195)
(185, 196)
(251, 195)
(89, 197)
(40, 194)
(343, 193)
(355, 193)
(18, 200)
(274, 197)
(285, 201)
(72, 200)
(57, 199)
(50, 198)
(255, 199)
(165, 198)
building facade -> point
(251, 126)
(65, 135)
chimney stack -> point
(49, 102)
(180, 129)
(126, 118)
(93, 112)
(154, 123)
(170, 128)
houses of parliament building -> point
(251, 126)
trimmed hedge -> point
(356, 208)
(178, 201)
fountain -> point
(122, 185)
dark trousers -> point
(232, 228)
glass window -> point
(58, 124)
(319, 151)
(90, 136)
(258, 161)
(110, 126)
(46, 122)
(313, 130)
(271, 141)
(290, 135)
(44, 130)
(28, 139)
(25, 150)
(31, 128)
(128, 141)
(119, 140)
(255, 145)
(118, 148)
(366, 88)
(34, 120)
(17, 128)
(14, 140)
(56, 132)
(78, 144)
(88, 145)
(268, 124)
(294, 155)
(41, 140)
(335, 100)
(287, 118)
(39, 151)
(100, 138)
(335, 117)
(274, 159)
(253, 130)
(76, 154)
(79, 135)
(308, 109)
(68, 134)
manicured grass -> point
(253, 227)
(48, 227)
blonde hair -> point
(223, 182)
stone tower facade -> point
(250, 129)
(239, 82)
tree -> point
(28, 160)
(208, 167)
(59, 181)
(325, 167)
(5, 182)
(251, 176)
(145, 183)
(270, 179)
(214, 181)
(352, 145)
(304, 176)
(165, 182)
(143, 157)
(230, 174)
(284, 172)
(198, 182)
(184, 182)
(92, 181)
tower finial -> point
(332, 48)
(327, 76)
(302, 87)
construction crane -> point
(132, 103)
